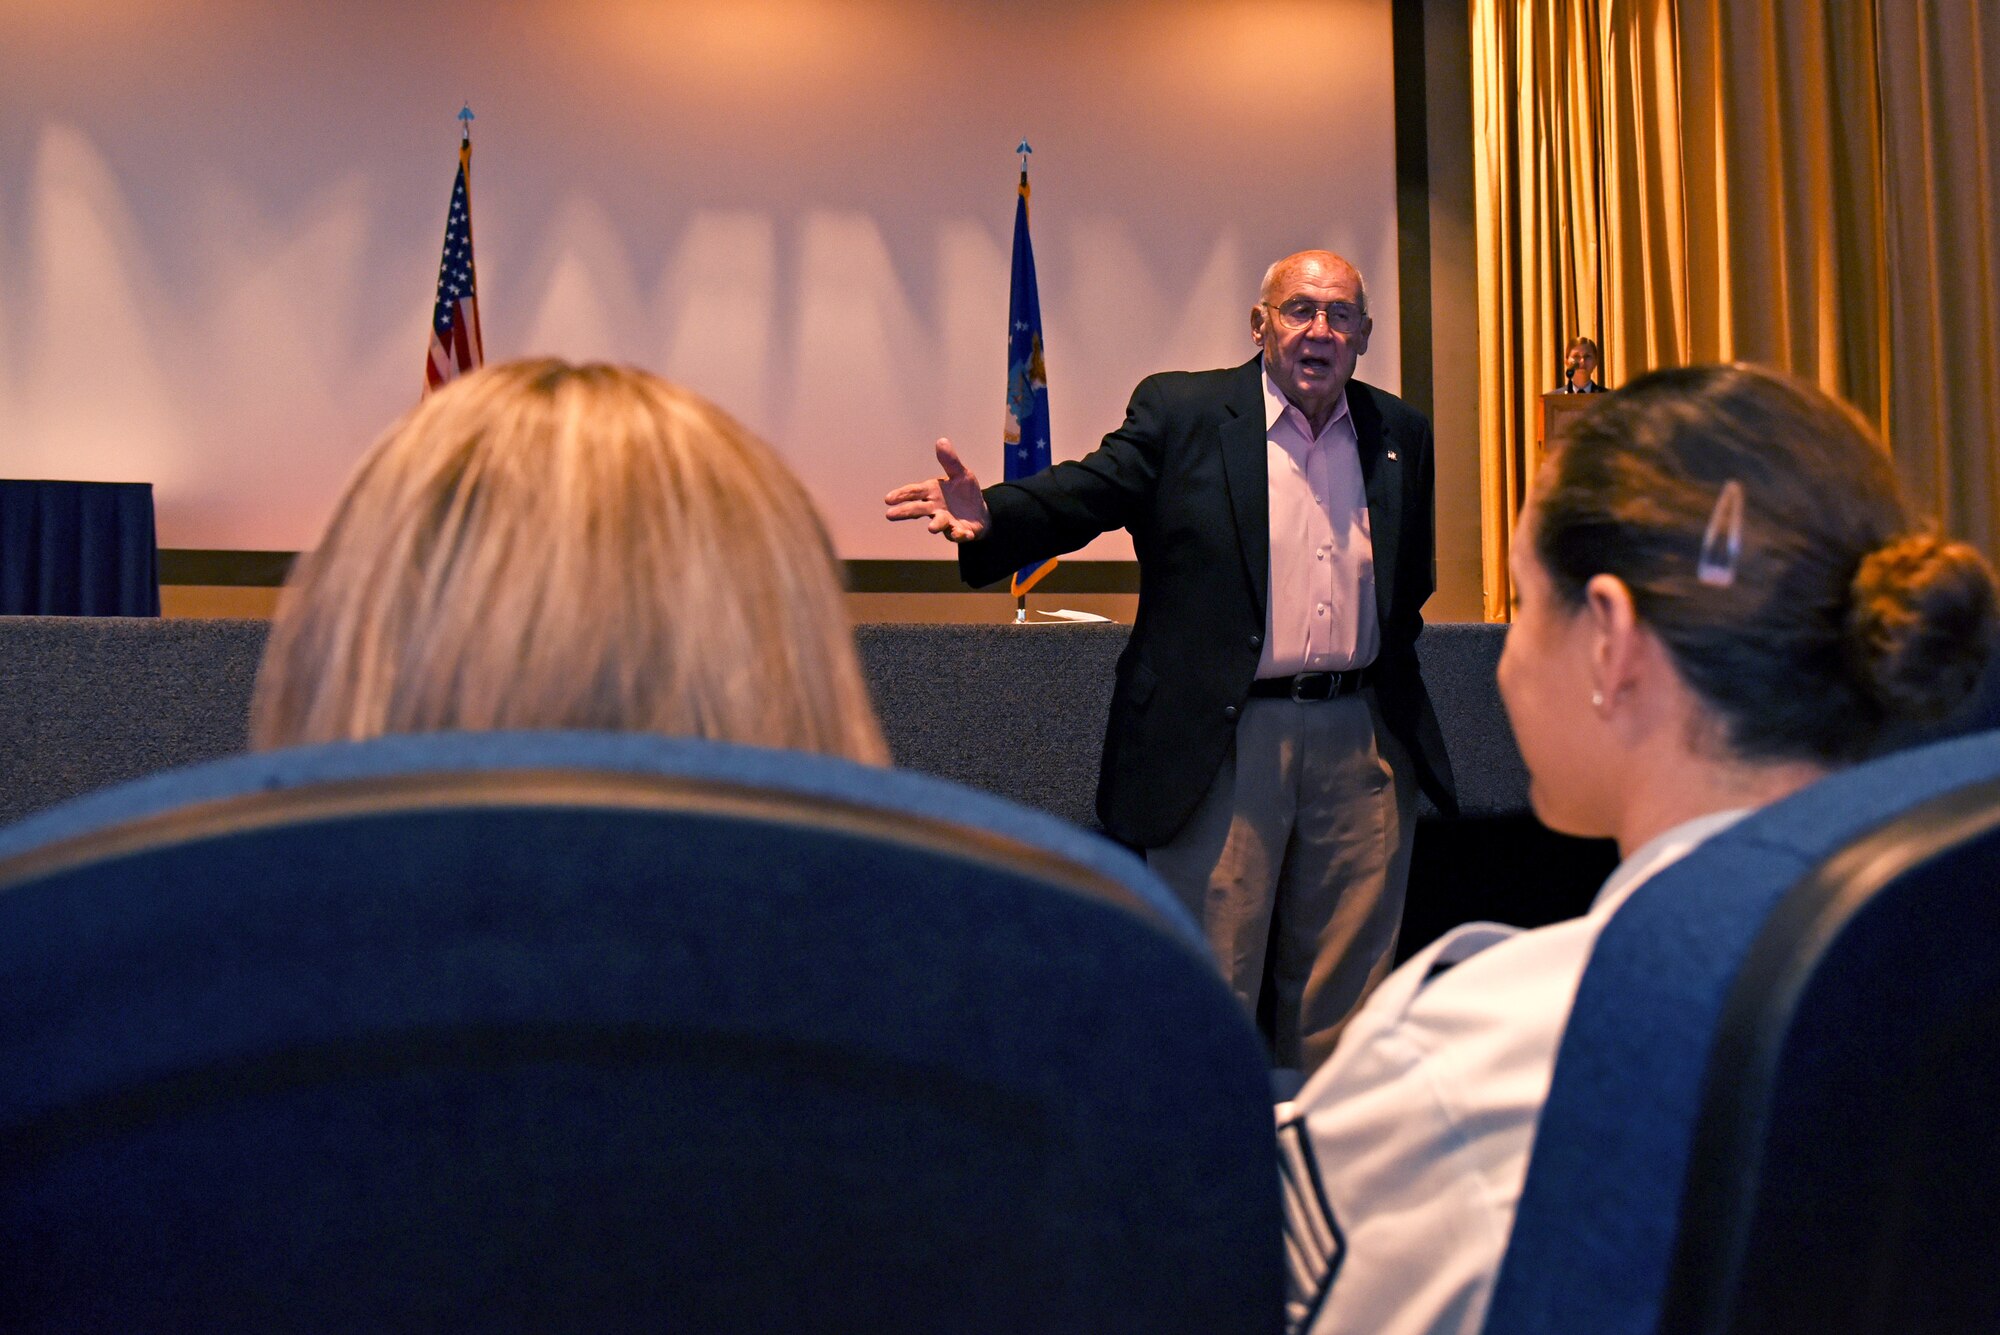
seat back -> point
(1725, 958)
(572, 1032)
(1844, 1173)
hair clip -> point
(1722, 545)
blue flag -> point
(1027, 444)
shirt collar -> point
(1659, 853)
(1276, 405)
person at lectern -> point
(1580, 368)
(1268, 727)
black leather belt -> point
(1308, 686)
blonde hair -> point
(541, 545)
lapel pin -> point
(1392, 454)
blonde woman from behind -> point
(546, 545)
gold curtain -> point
(1813, 186)
(1579, 217)
(1940, 95)
(1784, 164)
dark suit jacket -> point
(1186, 476)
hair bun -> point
(1921, 624)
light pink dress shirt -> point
(1321, 614)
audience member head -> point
(1719, 587)
(541, 545)
(1580, 361)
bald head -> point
(1280, 273)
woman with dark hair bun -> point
(1821, 625)
(1720, 598)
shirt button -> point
(1229, 712)
(1321, 609)
(1322, 554)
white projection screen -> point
(220, 220)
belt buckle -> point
(1328, 683)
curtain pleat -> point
(1940, 93)
(1496, 74)
(1786, 251)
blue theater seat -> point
(575, 1032)
(1773, 1108)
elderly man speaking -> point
(1268, 725)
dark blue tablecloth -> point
(78, 549)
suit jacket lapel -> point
(1380, 478)
(1247, 470)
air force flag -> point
(1027, 434)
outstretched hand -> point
(951, 505)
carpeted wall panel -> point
(1018, 711)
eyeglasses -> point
(1298, 313)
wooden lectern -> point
(1555, 414)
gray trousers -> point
(1298, 856)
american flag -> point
(455, 343)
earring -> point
(1597, 699)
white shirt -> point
(1321, 613)
(1418, 1128)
